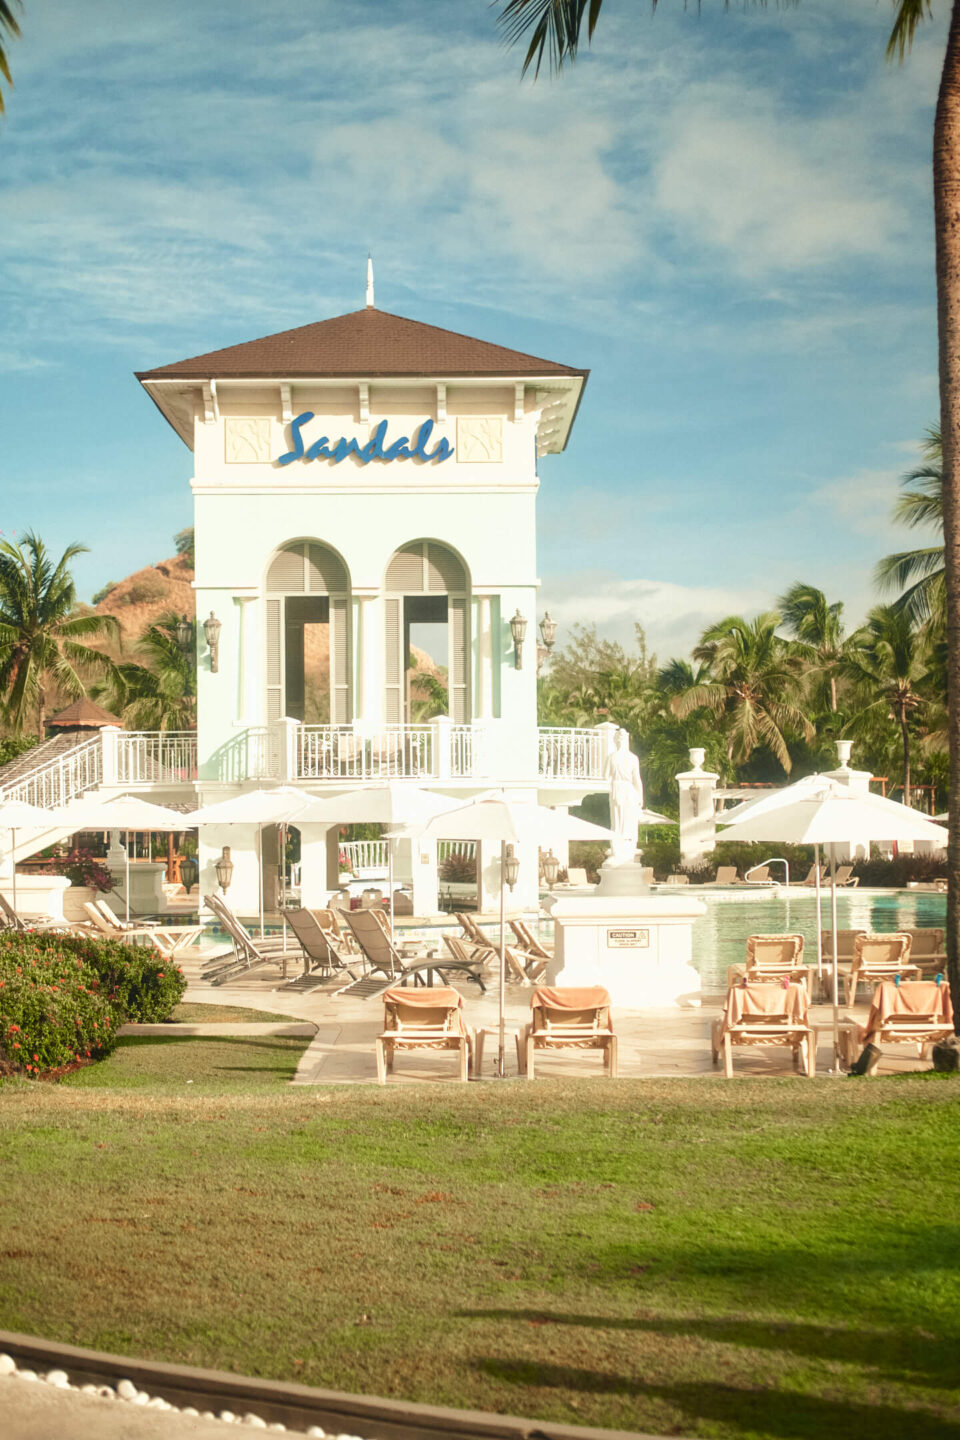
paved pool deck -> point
(672, 1043)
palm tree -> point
(556, 27)
(8, 26)
(919, 574)
(39, 631)
(162, 693)
(817, 628)
(751, 684)
(887, 664)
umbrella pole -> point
(260, 872)
(283, 883)
(501, 1044)
(836, 958)
(13, 864)
(390, 883)
(126, 878)
(816, 861)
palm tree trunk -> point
(905, 734)
(833, 693)
(946, 192)
(41, 714)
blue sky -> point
(725, 215)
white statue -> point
(626, 798)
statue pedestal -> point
(619, 878)
(637, 945)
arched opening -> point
(427, 640)
(308, 635)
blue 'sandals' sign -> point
(374, 449)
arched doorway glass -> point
(308, 635)
(426, 599)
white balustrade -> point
(567, 754)
(156, 757)
(338, 752)
(61, 779)
(359, 855)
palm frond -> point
(555, 27)
(908, 17)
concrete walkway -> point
(652, 1043)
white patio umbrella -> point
(395, 803)
(829, 813)
(496, 818)
(279, 806)
(18, 815)
(125, 812)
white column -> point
(484, 659)
(289, 730)
(370, 679)
(108, 756)
(314, 890)
(698, 823)
(248, 671)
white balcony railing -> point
(337, 752)
(61, 779)
(156, 757)
(572, 754)
(360, 855)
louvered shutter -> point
(339, 661)
(459, 669)
(393, 661)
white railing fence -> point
(363, 855)
(249, 755)
(572, 754)
(337, 752)
(61, 779)
(155, 757)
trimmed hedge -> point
(64, 997)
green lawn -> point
(763, 1258)
(190, 1012)
(162, 1066)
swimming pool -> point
(719, 937)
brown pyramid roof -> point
(83, 714)
(367, 342)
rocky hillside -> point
(140, 599)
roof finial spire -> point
(369, 281)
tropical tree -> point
(8, 29)
(160, 693)
(887, 664)
(817, 628)
(555, 27)
(40, 631)
(751, 684)
(919, 574)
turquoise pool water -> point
(719, 937)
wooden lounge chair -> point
(427, 1019)
(167, 938)
(846, 878)
(248, 954)
(769, 958)
(471, 929)
(759, 875)
(536, 957)
(927, 950)
(10, 920)
(568, 1017)
(765, 1014)
(812, 873)
(577, 875)
(877, 958)
(323, 954)
(678, 879)
(389, 967)
(727, 875)
(916, 1012)
(487, 956)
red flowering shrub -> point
(64, 997)
(83, 868)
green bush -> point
(63, 997)
(458, 869)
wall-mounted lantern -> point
(184, 633)
(511, 866)
(211, 633)
(189, 870)
(518, 629)
(548, 637)
(551, 868)
(224, 869)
